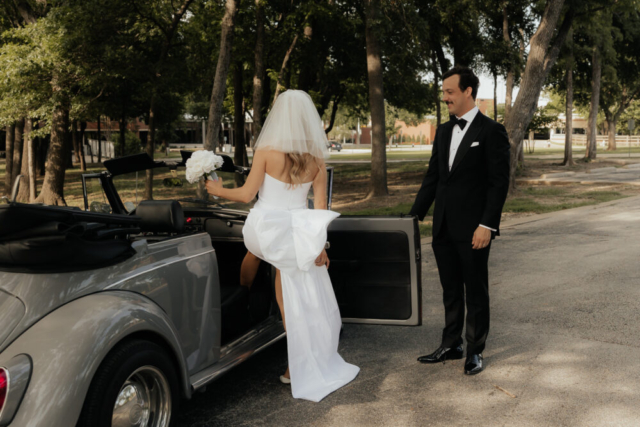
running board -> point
(237, 353)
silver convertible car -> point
(111, 315)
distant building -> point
(424, 132)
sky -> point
(485, 91)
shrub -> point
(133, 145)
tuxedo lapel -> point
(467, 140)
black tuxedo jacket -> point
(475, 189)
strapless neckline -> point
(286, 183)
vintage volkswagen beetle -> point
(109, 319)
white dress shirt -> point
(458, 134)
(456, 139)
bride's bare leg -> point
(249, 269)
(281, 306)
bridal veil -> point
(294, 126)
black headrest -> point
(164, 216)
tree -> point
(169, 30)
(220, 80)
(259, 71)
(621, 85)
(27, 191)
(542, 56)
(568, 138)
(378, 181)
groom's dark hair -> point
(467, 79)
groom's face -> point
(457, 101)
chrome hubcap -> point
(144, 400)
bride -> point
(288, 160)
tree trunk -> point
(74, 139)
(220, 80)
(282, 77)
(568, 137)
(511, 72)
(334, 111)
(258, 76)
(24, 192)
(149, 149)
(611, 125)
(42, 153)
(53, 186)
(307, 66)
(238, 121)
(436, 90)
(8, 184)
(32, 162)
(99, 142)
(83, 160)
(123, 133)
(378, 182)
(539, 62)
(495, 96)
(17, 150)
(592, 131)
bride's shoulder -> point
(270, 156)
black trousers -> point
(463, 270)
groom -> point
(468, 177)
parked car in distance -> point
(334, 146)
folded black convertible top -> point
(17, 217)
(48, 239)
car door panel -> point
(375, 269)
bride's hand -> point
(323, 259)
(213, 187)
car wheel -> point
(136, 385)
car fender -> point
(68, 345)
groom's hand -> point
(481, 238)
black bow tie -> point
(456, 121)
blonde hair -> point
(301, 164)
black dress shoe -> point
(474, 364)
(442, 354)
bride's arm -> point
(320, 186)
(320, 202)
(248, 191)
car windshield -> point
(171, 185)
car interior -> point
(242, 308)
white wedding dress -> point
(283, 232)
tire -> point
(122, 376)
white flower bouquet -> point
(202, 164)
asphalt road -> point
(563, 348)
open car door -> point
(376, 269)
